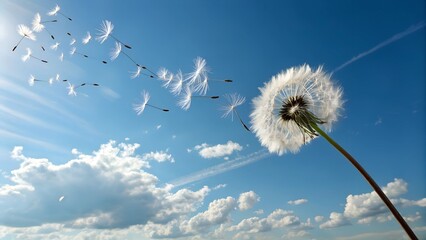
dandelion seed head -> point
(136, 73)
(234, 100)
(31, 80)
(71, 90)
(37, 25)
(115, 51)
(140, 107)
(72, 51)
(105, 31)
(55, 46)
(27, 56)
(54, 11)
(200, 70)
(25, 31)
(185, 101)
(289, 96)
(87, 38)
(176, 86)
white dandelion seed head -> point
(31, 80)
(87, 38)
(320, 96)
(72, 41)
(72, 51)
(25, 31)
(115, 51)
(61, 57)
(54, 11)
(26, 56)
(185, 101)
(55, 46)
(200, 70)
(136, 73)
(234, 100)
(177, 84)
(105, 31)
(71, 90)
(140, 107)
(203, 85)
(37, 25)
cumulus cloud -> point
(336, 220)
(298, 201)
(247, 200)
(158, 156)
(220, 150)
(106, 189)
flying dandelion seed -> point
(165, 76)
(61, 198)
(234, 100)
(61, 57)
(137, 73)
(186, 99)
(87, 38)
(74, 51)
(71, 87)
(32, 80)
(25, 32)
(51, 80)
(177, 84)
(116, 51)
(38, 25)
(29, 55)
(56, 10)
(289, 109)
(140, 107)
(200, 71)
(106, 31)
(54, 46)
(72, 41)
(42, 48)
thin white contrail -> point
(221, 168)
(394, 38)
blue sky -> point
(87, 166)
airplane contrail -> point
(221, 168)
(394, 38)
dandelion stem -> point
(238, 115)
(125, 45)
(370, 180)
(38, 59)
(162, 109)
(14, 48)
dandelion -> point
(29, 55)
(32, 80)
(25, 32)
(54, 46)
(140, 107)
(200, 71)
(38, 25)
(177, 84)
(234, 100)
(87, 38)
(71, 87)
(186, 99)
(106, 31)
(116, 51)
(56, 10)
(289, 111)
(165, 76)
(74, 51)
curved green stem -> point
(370, 180)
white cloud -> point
(219, 186)
(298, 201)
(220, 150)
(75, 151)
(259, 212)
(106, 189)
(160, 156)
(336, 220)
(319, 218)
(247, 200)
